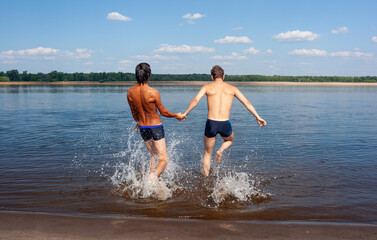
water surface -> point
(72, 149)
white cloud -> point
(81, 53)
(374, 39)
(251, 51)
(237, 28)
(323, 53)
(350, 54)
(233, 56)
(183, 49)
(233, 39)
(7, 54)
(115, 16)
(361, 54)
(356, 49)
(340, 30)
(154, 57)
(341, 54)
(31, 52)
(308, 52)
(268, 51)
(46, 53)
(191, 17)
(296, 36)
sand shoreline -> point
(189, 83)
(19, 225)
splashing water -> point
(131, 180)
(236, 187)
(128, 171)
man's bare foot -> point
(152, 176)
(218, 156)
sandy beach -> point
(16, 225)
(190, 83)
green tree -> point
(56, 76)
(13, 75)
(25, 77)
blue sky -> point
(245, 37)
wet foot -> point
(152, 176)
(218, 156)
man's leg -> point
(228, 141)
(160, 147)
(208, 149)
(152, 153)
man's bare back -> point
(219, 99)
(144, 102)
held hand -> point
(261, 122)
(137, 127)
(180, 117)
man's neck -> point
(219, 80)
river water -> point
(72, 150)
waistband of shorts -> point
(218, 120)
(155, 126)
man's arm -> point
(163, 111)
(195, 100)
(249, 107)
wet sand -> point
(190, 83)
(17, 225)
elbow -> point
(195, 101)
(165, 113)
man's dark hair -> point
(217, 72)
(143, 72)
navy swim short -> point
(152, 132)
(214, 127)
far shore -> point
(191, 83)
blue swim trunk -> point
(152, 132)
(224, 128)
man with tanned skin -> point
(144, 102)
(219, 99)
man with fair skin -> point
(219, 99)
(144, 102)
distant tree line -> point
(55, 76)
